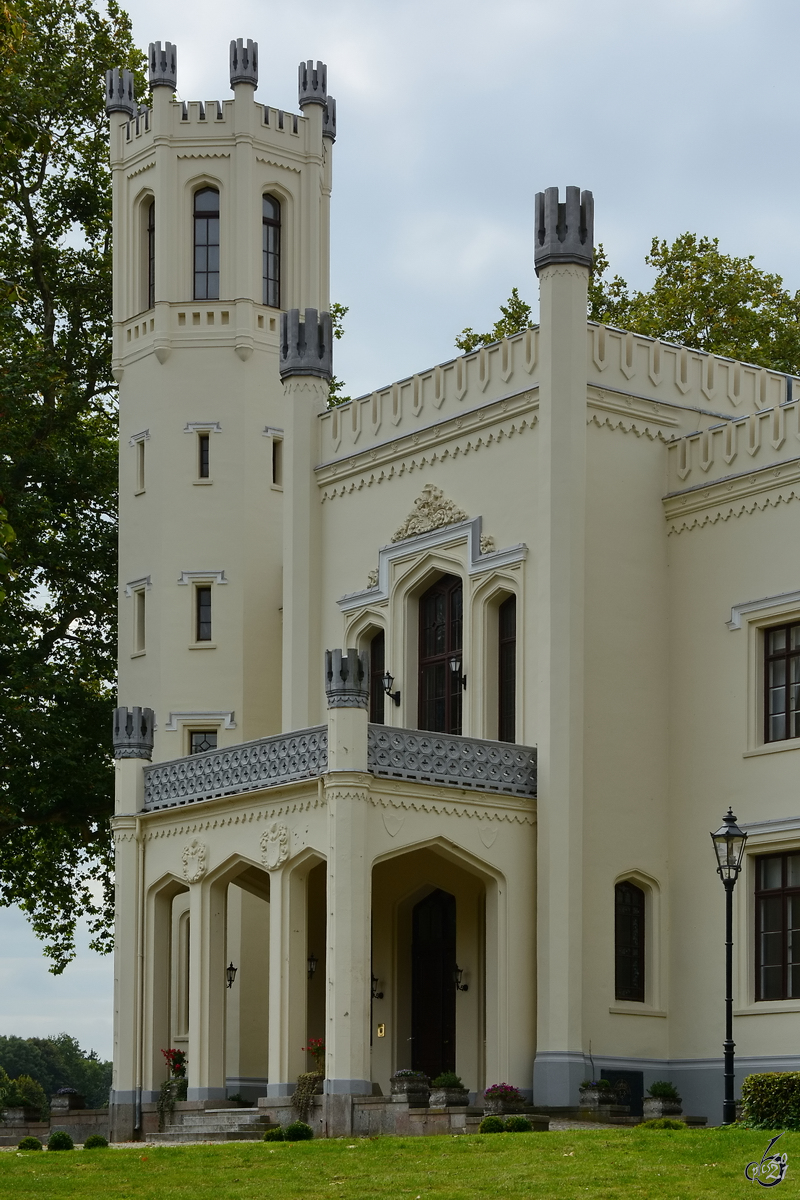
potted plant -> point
(24, 1100)
(448, 1091)
(596, 1093)
(66, 1099)
(410, 1087)
(173, 1088)
(662, 1100)
(502, 1098)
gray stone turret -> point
(133, 732)
(119, 92)
(163, 65)
(313, 83)
(564, 233)
(329, 119)
(244, 62)
(306, 346)
(347, 679)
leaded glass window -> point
(377, 666)
(507, 681)
(440, 646)
(629, 934)
(203, 614)
(778, 927)
(202, 739)
(782, 683)
(206, 244)
(151, 254)
(271, 250)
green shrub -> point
(447, 1079)
(771, 1100)
(663, 1090)
(662, 1123)
(274, 1135)
(491, 1125)
(298, 1131)
(60, 1140)
(95, 1141)
(25, 1092)
(517, 1125)
(29, 1143)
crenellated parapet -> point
(346, 679)
(244, 62)
(564, 233)
(133, 732)
(306, 346)
(162, 65)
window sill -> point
(636, 1010)
(202, 645)
(774, 747)
(140, 492)
(138, 653)
(276, 487)
(202, 482)
(767, 1007)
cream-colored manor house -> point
(430, 701)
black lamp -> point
(376, 995)
(729, 842)
(455, 667)
(230, 974)
(457, 976)
(388, 680)
(312, 964)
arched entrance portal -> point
(433, 989)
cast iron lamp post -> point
(729, 843)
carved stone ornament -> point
(195, 861)
(487, 544)
(372, 578)
(431, 511)
(274, 845)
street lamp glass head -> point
(388, 680)
(729, 843)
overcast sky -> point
(678, 114)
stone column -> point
(206, 1071)
(348, 963)
(563, 258)
(288, 957)
(305, 367)
(133, 745)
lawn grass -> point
(608, 1164)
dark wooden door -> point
(433, 990)
(440, 649)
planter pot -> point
(448, 1097)
(410, 1089)
(499, 1107)
(653, 1108)
(60, 1104)
(595, 1098)
(22, 1116)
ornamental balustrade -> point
(443, 760)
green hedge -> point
(771, 1100)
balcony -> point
(442, 760)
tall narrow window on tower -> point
(151, 254)
(206, 244)
(202, 455)
(377, 666)
(271, 226)
(629, 933)
(203, 614)
(507, 668)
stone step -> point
(216, 1116)
(249, 1130)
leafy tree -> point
(57, 464)
(338, 314)
(55, 1063)
(515, 316)
(706, 299)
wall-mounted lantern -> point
(455, 667)
(312, 964)
(376, 995)
(230, 974)
(388, 681)
(457, 977)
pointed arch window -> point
(271, 250)
(151, 254)
(206, 244)
(441, 622)
(377, 666)
(629, 934)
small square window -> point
(202, 739)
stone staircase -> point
(215, 1125)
